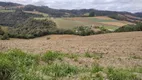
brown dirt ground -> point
(118, 48)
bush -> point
(5, 37)
(83, 30)
(128, 28)
(1, 31)
(3, 34)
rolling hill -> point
(109, 23)
(9, 4)
(72, 13)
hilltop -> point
(135, 17)
(9, 4)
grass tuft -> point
(51, 56)
(60, 70)
(120, 74)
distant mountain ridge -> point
(9, 4)
(128, 16)
(139, 14)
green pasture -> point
(6, 10)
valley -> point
(43, 43)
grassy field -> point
(18, 65)
(35, 12)
(108, 23)
(4, 11)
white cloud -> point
(115, 5)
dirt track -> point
(118, 48)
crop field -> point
(4, 11)
(106, 22)
(69, 23)
(36, 12)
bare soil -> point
(119, 49)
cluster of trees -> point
(3, 35)
(32, 28)
(12, 18)
(128, 28)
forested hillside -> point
(12, 18)
(9, 4)
(32, 28)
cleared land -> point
(4, 11)
(69, 23)
(117, 49)
(36, 12)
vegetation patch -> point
(51, 56)
(129, 28)
(13, 18)
(60, 70)
(83, 30)
(3, 34)
(18, 65)
(94, 55)
(120, 74)
(32, 28)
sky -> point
(112, 5)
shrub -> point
(3, 34)
(83, 30)
(1, 31)
(128, 28)
(5, 37)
